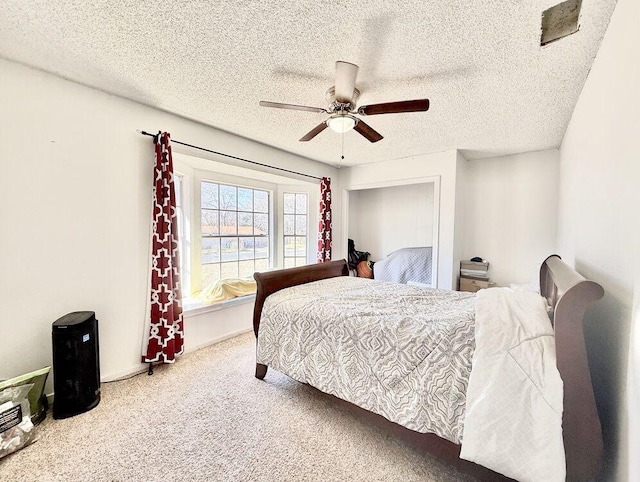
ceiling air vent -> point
(560, 21)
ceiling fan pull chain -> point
(342, 149)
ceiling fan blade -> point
(314, 132)
(367, 131)
(419, 105)
(278, 105)
(345, 80)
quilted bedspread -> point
(404, 265)
(400, 351)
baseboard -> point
(124, 374)
(143, 368)
(220, 339)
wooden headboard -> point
(570, 294)
(272, 281)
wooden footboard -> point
(570, 295)
(272, 281)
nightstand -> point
(473, 276)
(473, 284)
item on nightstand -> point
(16, 429)
(476, 269)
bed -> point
(405, 378)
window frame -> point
(220, 209)
(219, 178)
(312, 192)
(296, 259)
(184, 228)
(193, 170)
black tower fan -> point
(76, 364)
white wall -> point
(598, 226)
(203, 329)
(503, 209)
(461, 225)
(75, 190)
(440, 165)
(386, 219)
(633, 386)
(511, 213)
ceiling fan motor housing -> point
(337, 106)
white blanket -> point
(513, 419)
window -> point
(177, 184)
(232, 226)
(295, 229)
(234, 230)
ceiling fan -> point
(342, 99)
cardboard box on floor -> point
(37, 399)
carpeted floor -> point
(207, 418)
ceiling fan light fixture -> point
(342, 123)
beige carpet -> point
(207, 418)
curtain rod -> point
(144, 133)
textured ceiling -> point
(493, 89)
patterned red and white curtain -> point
(165, 323)
(324, 229)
